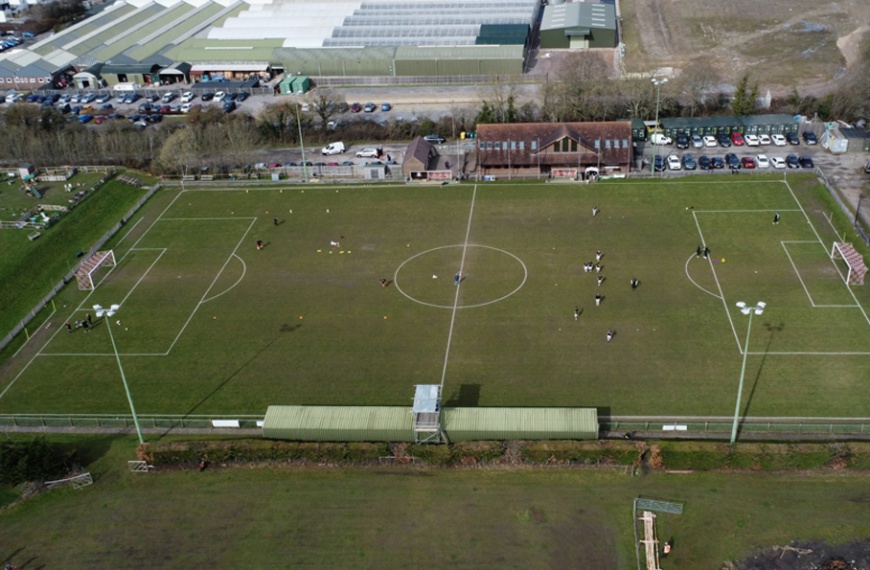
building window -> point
(481, 145)
(42, 79)
(505, 145)
(497, 145)
(522, 145)
(488, 145)
(513, 145)
(534, 145)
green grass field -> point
(211, 325)
(415, 517)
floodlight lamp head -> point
(98, 308)
(746, 310)
(115, 307)
(109, 313)
(741, 304)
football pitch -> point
(211, 324)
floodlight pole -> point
(658, 83)
(301, 142)
(123, 376)
(757, 310)
(861, 196)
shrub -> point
(32, 461)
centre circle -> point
(489, 275)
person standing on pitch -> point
(610, 334)
(594, 211)
(600, 279)
(457, 278)
(776, 218)
(275, 219)
(598, 298)
(576, 313)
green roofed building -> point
(396, 423)
(578, 25)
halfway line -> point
(456, 296)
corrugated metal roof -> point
(339, 423)
(578, 15)
(479, 424)
(460, 52)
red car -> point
(748, 162)
(737, 139)
(355, 108)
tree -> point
(499, 100)
(743, 102)
(326, 103)
(697, 82)
(179, 152)
(581, 92)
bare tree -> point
(696, 84)
(326, 103)
(499, 99)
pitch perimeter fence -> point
(62, 422)
(770, 428)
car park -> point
(777, 162)
(737, 139)
(368, 153)
(717, 163)
(806, 162)
(704, 162)
(689, 162)
(386, 107)
(762, 161)
(674, 162)
(764, 139)
(437, 139)
(697, 141)
(752, 140)
(792, 139)
(810, 137)
(778, 140)
(792, 161)
(681, 141)
(724, 140)
(747, 162)
(732, 160)
(710, 141)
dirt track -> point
(783, 43)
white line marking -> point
(233, 286)
(458, 287)
(798, 274)
(133, 227)
(718, 285)
(695, 283)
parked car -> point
(355, 108)
(347, 163)
(660, 139)
(810, 137)
(186, 107)
(229, 106)
(88, 98)
(777, 162)
(732, 160)
(153, 98)
(85, 118)
(659, 163)
(697, 141)
(752, 140)
(717, 162)
(386, 106)
(368, 153)
(168, 97)
(867, 168)
(333, 148)
(689, 162)
(682, 141)
(704, 162)
(806, 162)
(207, 96)
(220, 95)
(724, 140)
(747, 162)
(778, 140)
(762, 161)
(792, 139)
(369, 108)
(187, 97)
(436, 139)
(792, 161)
(737, 139)
(764, 139)
(241, 96)
(710, 141)
(103, 98)
(674, 162)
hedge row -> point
(698, 456)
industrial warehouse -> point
(185, 41)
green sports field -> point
(209, 324)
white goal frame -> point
(85, 273)
(853, 259)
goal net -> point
(85, 273)
(856, 269)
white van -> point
(333, 148)
(659, 138)
(127, 86)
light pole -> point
(108, 313)
(301, 143)
(658, 83)
(746, 310)
(861, 196)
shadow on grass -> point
(468, 396)
(772, 329)
(285, 328)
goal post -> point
(854, 262)
(85, 273)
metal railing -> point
(63, 422)
(770, 426)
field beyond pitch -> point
(212, 325)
